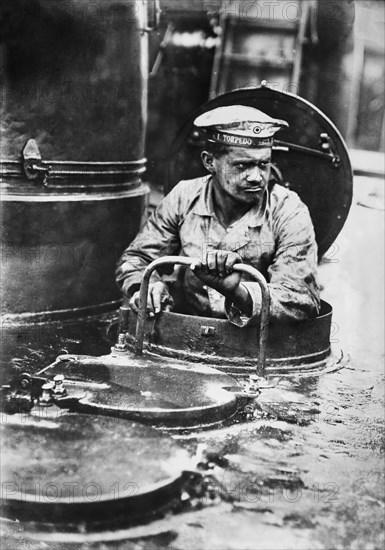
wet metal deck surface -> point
(313, 484)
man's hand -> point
(216, 270)
(158, 298)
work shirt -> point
(276, 237)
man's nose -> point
(254, 174)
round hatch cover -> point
(147, 389)
(310, 156)
(83, 472)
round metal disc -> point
(78, 469)
(325, 187)
(171, 394)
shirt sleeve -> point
(159, 237)
(292, 276)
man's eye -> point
(247, 166)
(243, 166)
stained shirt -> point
(276, 237)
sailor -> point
(234, 214)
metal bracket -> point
(207, 330)
(326, 151)
(327, 147)
(33, 165)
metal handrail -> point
(181, 260)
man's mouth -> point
(253, 189)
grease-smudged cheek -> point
(247, 183)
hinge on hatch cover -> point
(27, 391)
(201, 487)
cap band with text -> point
(237, 140)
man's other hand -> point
(216, 271)
(158, 298)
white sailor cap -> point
(240, 126)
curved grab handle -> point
(181, 260)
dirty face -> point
(242, 173)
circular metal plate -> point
(172, 394)
(325, 188)
(77, 471)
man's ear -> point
(208, 161)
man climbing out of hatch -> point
(232, 215)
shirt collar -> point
(204, 205)
(258, 213)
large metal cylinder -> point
(328, 63)
(76, 83)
